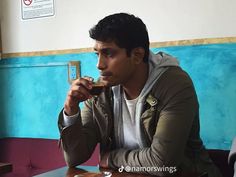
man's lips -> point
(105, 73)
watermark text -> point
(147, 169)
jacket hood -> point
(158, 64)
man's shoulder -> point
(172, 80)
(175, 74)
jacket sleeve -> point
(79, 139)
(171, 134)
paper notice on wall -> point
(37, 8)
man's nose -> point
(101, 64)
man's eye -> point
(110, 53)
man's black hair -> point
(126, 30)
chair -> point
(232, 156)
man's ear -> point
(138, 54)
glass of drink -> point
(97, 89)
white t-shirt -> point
(128, 114)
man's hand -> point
(104, 160)
(78, 92)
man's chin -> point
(108, 84)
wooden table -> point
(5, 167)
(91, 171)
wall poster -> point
(37, 8)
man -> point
(148, 115)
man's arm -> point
(80, 136)
(79, 139)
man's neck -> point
(135, 85)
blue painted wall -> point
(33, 90)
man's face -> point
(113, 63)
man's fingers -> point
(86, 82)
(88, 78)
(79, 91)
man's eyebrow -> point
(103, 49)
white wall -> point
(166, 20)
